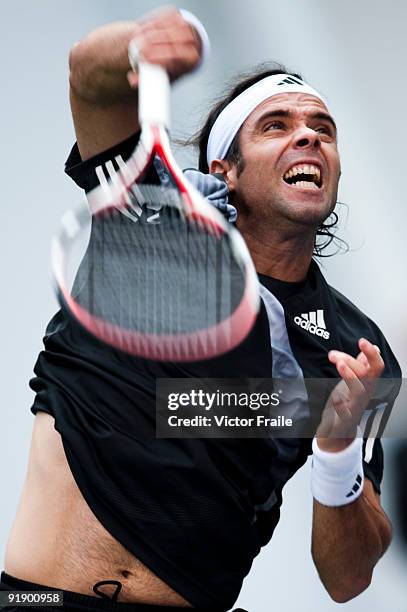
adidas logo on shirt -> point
(313, 322)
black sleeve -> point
(373, 462)
(373, 425)
(357, 325)
(83, 172)
(379, 410)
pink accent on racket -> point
(151, 268)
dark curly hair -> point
(326, 233)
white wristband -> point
(337, 478)
(206, 45)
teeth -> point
(303, 169)
(305, 185)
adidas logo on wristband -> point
(337, 477)
(356, 486)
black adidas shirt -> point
(195, 511)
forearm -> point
(347, 542)
(99, 64)
(104, 88)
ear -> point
(228, 171)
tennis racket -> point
(149, 267)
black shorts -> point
(72, 602)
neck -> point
(284, 255)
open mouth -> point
(305, 176)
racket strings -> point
(151, 269)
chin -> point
(317, 202)
(310, 213)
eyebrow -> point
(289, 114)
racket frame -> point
(113, 193)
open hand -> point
(351, 395)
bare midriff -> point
(57, 541)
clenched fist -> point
(164, 37)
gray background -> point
(354, 52)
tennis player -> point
(110, 512)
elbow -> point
(342, 593)
(342, 586)
(75, 67)
(84, 72)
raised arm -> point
(103, 91)
(348, 539)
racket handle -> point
(154, 95)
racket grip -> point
(154, 95)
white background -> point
(354, 52)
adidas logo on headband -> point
(236, 112)
(290, 81)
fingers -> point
(167, 18)
(351, 379)
(351, 395)
(164, 37)
(373, 356)
(368, 364)
(177, 50)
(363, 359)
(360, 366)
(156, 18)
(347, 402)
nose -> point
(306, 138)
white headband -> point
(235, 114)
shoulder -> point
(355, 323)
(353, 314)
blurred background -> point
(354, 53)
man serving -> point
(108, 510)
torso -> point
(57, 541)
